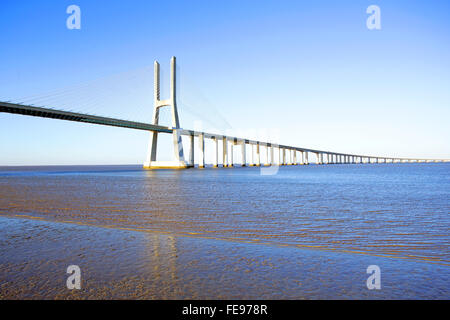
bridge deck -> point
(78, 117)
(14, 108)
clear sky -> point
(302, 73)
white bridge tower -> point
(151, 162)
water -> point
(305, 232)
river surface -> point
(299, 232)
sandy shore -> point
(123, 264)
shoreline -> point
(125, 264)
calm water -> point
(305, 232)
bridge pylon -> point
(179, 162)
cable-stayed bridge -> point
(287, 155)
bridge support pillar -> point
(191, 151)
(201, 150)
(252, 155)
(317, 158)
(258, 155)
(272, 160)
(280, 158)
(230, 157)
(224, 152)
(216, 156)
(244, 155)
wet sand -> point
(122, 264)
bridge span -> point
(287, 155)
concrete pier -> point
(302, 157)
(191, 153)
(267, 163)
(252, 155)
(280, 157)
(230, 156)
(243, 153)
(258, 155)
(224, 152)
(201, 151)
(216, 154)
(272, 158)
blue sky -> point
(303, 73)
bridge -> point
(286, 155)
